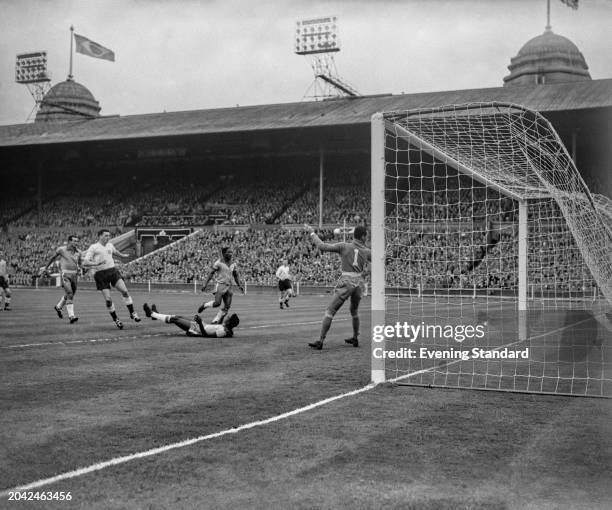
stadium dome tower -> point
(547, 58)
(68, 100)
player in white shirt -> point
(69, 257)
(283, 273)
(5, 290)
(195, 327)
(100, 255)
(225, 273)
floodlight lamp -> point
(31, 67)
(314, 36)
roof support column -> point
(39, 188)
(321, 177)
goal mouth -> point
(481, 222)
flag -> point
(571, 3)
(93, 49)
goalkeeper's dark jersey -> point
(353, 255)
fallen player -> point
(195, 327)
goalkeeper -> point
(491, 240)
(353, 257)
(195, 327)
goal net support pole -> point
(522, 270)
(378, 240)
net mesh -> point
(455, 181)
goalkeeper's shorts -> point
(348, 286)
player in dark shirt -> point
(353, 258)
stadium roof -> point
(337, 112)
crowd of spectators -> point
(453, 260)
(434, 258)
(461, 204)
(346, 197)
(431, 259)
(257, 253)
(27, 252)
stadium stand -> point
(239, 201)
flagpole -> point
(548, 15)
(71, 38)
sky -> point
(176, 55)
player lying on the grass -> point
(285, 287)
(195, 327)
(69, 264)
(353, 258)
(225, 272)
(100, 256)
(5, 290)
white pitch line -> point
(291, 324)
(162, 449)
(84, 341)
(137, 337)
(541, 335)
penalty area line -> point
(188, 442)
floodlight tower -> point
(31, 70)
(318, 40)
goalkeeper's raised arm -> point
(353, 257)
(334, 247)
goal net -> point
(491, 260)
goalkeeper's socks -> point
(325, 325)
(355, 327)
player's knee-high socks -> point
(162, 317)
(220, 316)
(355, 326)
(70, 307)
(325, 325)
(129, 304)
(111, 309)
(61, 302)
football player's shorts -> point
(69, 280)
(4, 284)
(348, 286)
(107, 277)
(221, 289)
(194, 329)
(284, 285)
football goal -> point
(491, 260)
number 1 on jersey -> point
(356, 259)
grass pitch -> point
(74, 396)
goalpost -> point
(491, 260)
